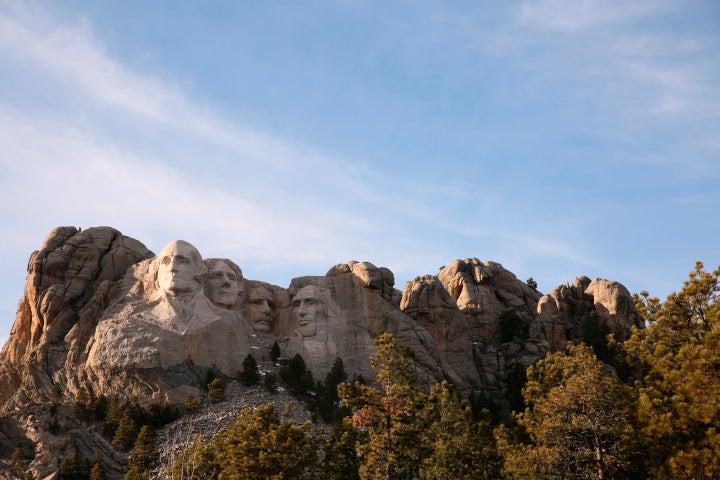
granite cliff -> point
(101, 312)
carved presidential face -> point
(179, 266)
(305, 306)
(259, 308)
(223, 284)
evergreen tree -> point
(275, 352)
(16, 462)
(458, 447)
(99, 407)
(126, 431)
(388, 416)
(73, 468)
(143, 455)
(327, 401)
(250, 374)
(679, 396)
(340, 459)
(270, 382)
(296, 376)
(56, 395)
(197, 462)
(97, 472)
(576, 423)
(54, 425)
(82, 401)
(113, 415)
(190, 403)
(260, 446)
(216, 390)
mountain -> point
(104, 315)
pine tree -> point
(73, 468)
(190, 403)
(82, 401)
(261, 446)
(216, 390)
(679, 396)
(54, 425)
(97, 472)
(576, 424)
(457, 447)
(16, 462)
(143, 455)
(56, 395)
(250, 374)
(197, 462)
(327, 401)
(388, 416)
(126, 431)
(296, 376)
(270, 382)
(275, 352)
(340, 459)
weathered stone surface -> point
(484, 291)
(163, 323)
(614, 307)
(100, 311)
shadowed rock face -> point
(101, 311)
(68, 282)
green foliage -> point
(576, 423)
(98, 407)
(531, 283)
(73, 468)
(260, 446)
(457, 448)
(190, 403)
(388, 417)
(296, 376)
(250, 374)
(275, 352)
(97, 472)
(17, 462)
(326, 402)
(340, 460)
(270, 382)
(197, 462)
(56, 394)
(142, 456)
(82, 402)
(54, 425)
(126, 431)
(216, 390)
(679, 396)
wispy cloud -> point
(133, 151)
(563, 16)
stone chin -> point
(262, 326)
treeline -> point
(393, 432)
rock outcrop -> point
(102, 313)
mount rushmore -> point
(102, 312)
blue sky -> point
(558, 138)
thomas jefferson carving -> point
(224, 285)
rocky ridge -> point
(102, 312)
